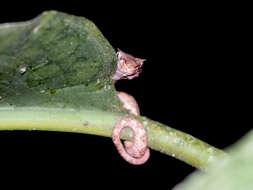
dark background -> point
(196, 79)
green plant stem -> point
(160, 137)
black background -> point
(196, 78)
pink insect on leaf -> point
(128, 66)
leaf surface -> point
(233, 173)
(56, 60)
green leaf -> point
(233, 173)
(68, 63)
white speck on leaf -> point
(145, 123)
(22, 70)
(171, 133)
(36, 29)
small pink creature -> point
(128, 67)
(136, 152)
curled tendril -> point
(135, 152)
